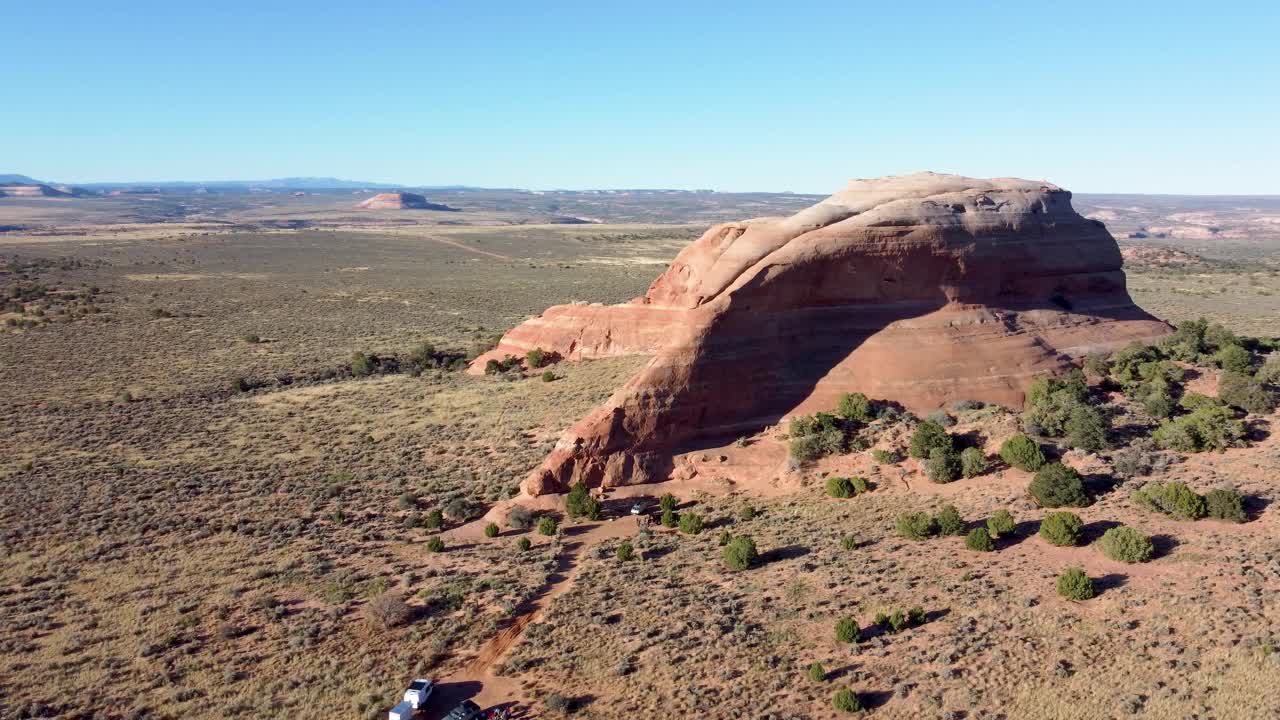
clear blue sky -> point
(1102, 97)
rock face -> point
(400, 201)
(922, 289)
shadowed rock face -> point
(923, 289)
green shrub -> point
(1245, 392)
(579, 503)
(860, 484)
(1225, 504)
(1171, 498)
(846, 701)
(1087, 429)
(817, 673)
(690, 523)
(1125, 544)
(916, 526)
(668, 502)
(741, 553)
(626, 551)
(885, 457)
(435, 544)
(849, 542)
(725, 537)
(670, 518)
(973, 462)
(1056, 485)
(1208, 428)
(1050, 402)
(1234, 358)
(855, 406)
(1061, 528)
(363, 365)
(1001, 523)
(547, 525)
(815, 436)
(435, 519)
(949, 521)
(523, 544)
(1075, 585)
(491, 530)
(847, 630)
(1023, 453)
(1270, 371)
(927, 437)
(1194, 401)
(536, 358)
(943, 466)
(548, 376)
(747, 512)
(840, 487)
(979, 539)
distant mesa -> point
(923, 289)
(402, 201)
(41, 190)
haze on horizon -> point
(1135, 97)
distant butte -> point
(922, 289)
(402, 201)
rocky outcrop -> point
(923, 289)
(401, 201)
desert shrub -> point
(1050, 402)
(1096, 365)
(816, 436)
(435, 544)
(491, 530)
(1061, 528)
(886, 457)
(460, 509)
(548, 376)
(817, 673)
(669, 518)
(846, 700)
(940, 417)
(1234, 358)
(668, 502)
(1056, 485)
(949, 521)
(1125, 544)
(519, 518)
(690, 523)
(1087, 429)
(557, 703)
(239, 385)
(847, 630)
(1001, 523)
(860, 484)
(1023, 453)
(740, 553)
(1171, 498)
(943, 466)
(523, 544)
(849, 542)
(967, 405)
(536, 358)
(1270, 371)
(251, 339)
(747, 512)
(973, 462)
(1209, 428)
(1225, 504)
(855, 406)
(927, 437)
(363, 365)
(916, 526)
(407, 501)
(387, 610)
(1245, 392)
(435, 519)
(1133, 461)
(1074, 584)
(547, 525)
(579, 503)
(725, 537)
(626, 551)
(840, 487)
(979, 539)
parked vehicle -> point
(465, 710)
(639, 507)
(403, 711)
(418, 692)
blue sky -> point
(1098, 97)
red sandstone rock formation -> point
(923, 289)
(400, 201)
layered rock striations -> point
(922, 289)
(401, 201)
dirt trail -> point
(468, 248)
(495, 690)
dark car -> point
(465, 710)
